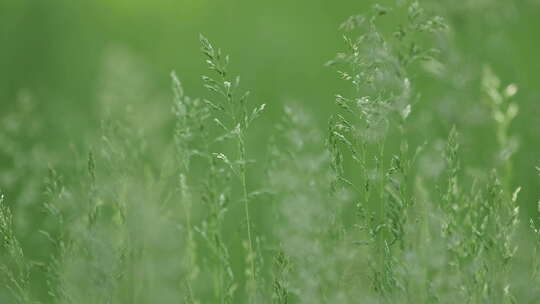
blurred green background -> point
(70, 56)
(65, 64)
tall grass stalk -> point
(190, 116)
(15, 269)
(377, 68)
(236, 121)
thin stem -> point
(243, 155)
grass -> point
(362, 212)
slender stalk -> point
(243, 156)
(233, 109)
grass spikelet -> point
(14, 267)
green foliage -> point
(15, 269)
(363, 210)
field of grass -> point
(403, 168)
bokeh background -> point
(68, 56)
(65, 64)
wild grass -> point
(349, 214)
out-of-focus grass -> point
(115, 199)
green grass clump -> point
(373, 208)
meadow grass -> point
(350, 214)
